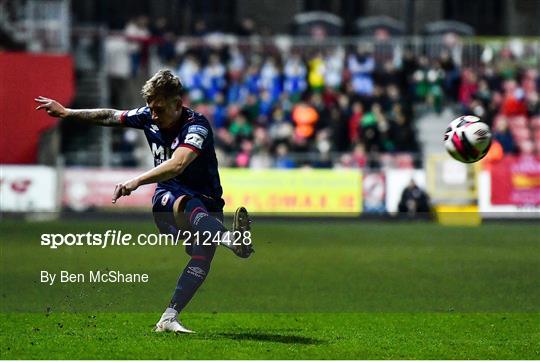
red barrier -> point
(23, 77)
(516, 181)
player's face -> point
(165, 112)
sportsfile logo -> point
(120, 238)
(110, 237)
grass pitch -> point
(313, 290)
(274, 336)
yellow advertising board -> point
(301, 191)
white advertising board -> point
(28, 189)
(396, 181)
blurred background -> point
(318, 107)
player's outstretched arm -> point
(180, 159)
(99, 116)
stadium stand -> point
(310, 102)
(315, 102)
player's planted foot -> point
(242, 223)
(169, 323)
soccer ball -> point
(467, 139)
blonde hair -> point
(164, 85)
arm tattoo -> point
(104, 117)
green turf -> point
(275, 336)
(312, 290)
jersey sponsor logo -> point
(175, 143)
(164, 199)
(194, 139)
(198, 129)
(160, 152)
(154, 128)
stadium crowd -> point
(337, 106)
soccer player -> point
(188, 193)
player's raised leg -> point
(201, 220)
(192, 211)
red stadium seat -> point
(386, 160)
(404, 160)
(521, 134)
(526, 147)
(518, 121)
(535, 122)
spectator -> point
(282, 157)
(316, 73)
(333, 71)
(200, 28)
(117, 52)
(305, 118)
(190, 74)
(403, 135)
(468, 87)
(503, 136)
(213, 77)
(280, 129)
(137, 32)
(252, 79)
(225, 140)
(420, 79)
(219, 113)
(251, 107)
(406, 75)
(237, 93)
(246, 27)
(165, 37)
(294, 77)
(414, 200)
(244, 156)
(261, 159)
(384, 130)
(359, 156)
(266, 104)
(513, 103)
(435, 77)
(240, 128)
(494, 155)
(361, 66)
(317, 101)
(369, 130)
(483, 93)
(270, 79)
(355, 122)
(533, 104)
(236, 64)
(451, 72)
(339, 129)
